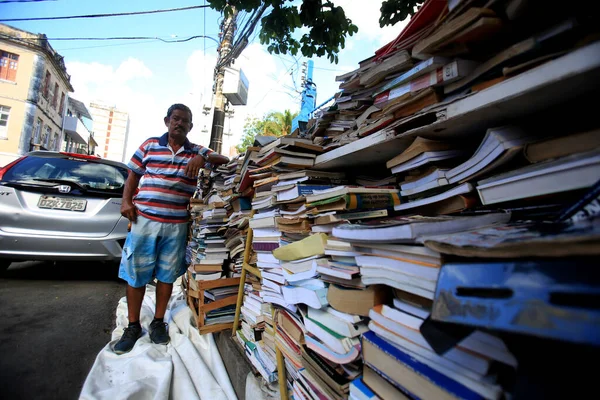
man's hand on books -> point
(194, 165)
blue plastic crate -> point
(557, 299)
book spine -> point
(323, 366)
(435, 377)
(393, 382)
(407, 75)
(372, 200)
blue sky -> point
(144, 77)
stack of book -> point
(235, 240)
(256, 334)
(382, 91)
(216, 232)
(209, 256)
(238, 209)
(275, 176)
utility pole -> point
(227, 32)
(309, 98)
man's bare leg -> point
(135, 297)
(163, 294)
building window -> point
(46, 87)
(37, 132)
(4, 113)
(55, 96)
(55, 144)
(46, 135)
(62, 103)
(9, 63)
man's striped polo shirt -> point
(164, 190)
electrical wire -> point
(108, 45)
(115, 38)
(23, 1)
(119, 44)
(103, 15)
(242, 20)
(242, 42)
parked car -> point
(61, 206)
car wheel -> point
(4, 264)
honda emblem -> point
(64, 188)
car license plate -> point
(62, 203)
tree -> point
(327, 23)
(279, 123)
(272, 124)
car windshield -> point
(86, 173)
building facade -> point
(34, 88)
(78, 123)
(111, 131)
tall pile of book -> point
(238, 211)
(256, 333)
(368, 273)
(209, 256)
(215, 246)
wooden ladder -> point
(247, 268)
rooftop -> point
(35, 41)
(79, 107)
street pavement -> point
(54, 319)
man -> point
(155, 246)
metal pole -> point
(216, 135)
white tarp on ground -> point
(189, 367)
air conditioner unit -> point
(235, 87)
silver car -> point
(61, 206)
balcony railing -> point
(77, 130)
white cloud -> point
(89, 78)
(365, 15)
(95, 82)
(132, 68)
